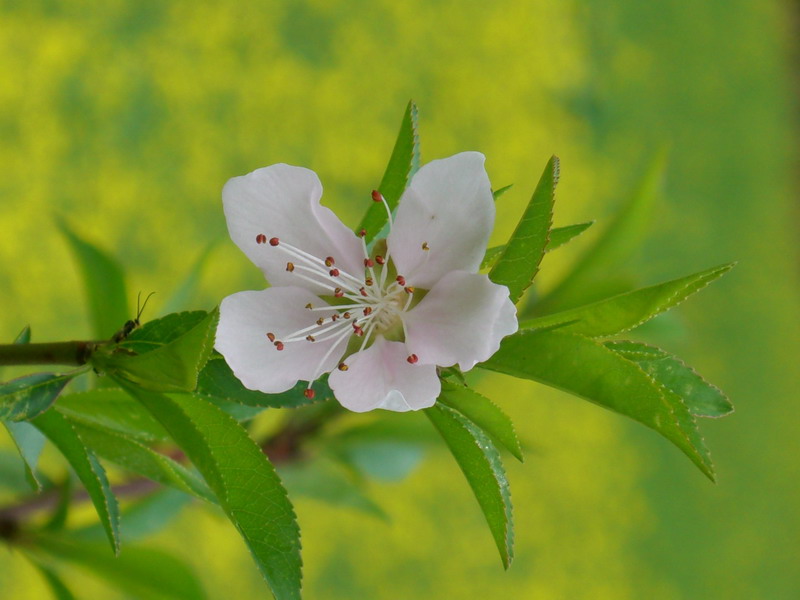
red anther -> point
(368, 263)
(320, 321)
(334, 272)
(329, 262)
(369, 281)
(271, 337)
(357, 330)
(311, 338)
(309, 306)
(363, 292)
(376, 196)
(309, 393)
(425, 246)
(412, 358)
(379, 259)
(290, 266)
(343, 367)
(368, 311)
(409, 289)
(338, 293)
(401, 280)
(279, 345)
(362, 233)
(334, 316)
(346, 315)
(261, 239)
(274, 241)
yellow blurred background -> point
(126, 118)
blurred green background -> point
(126, 118)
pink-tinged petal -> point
(282, 202)
(382, 377)
(461, 320)
(245, 318)
(449, 208)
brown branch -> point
(76, 353)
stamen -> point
(320, 321)
(425, 246)
(363, 292)
(409, 290)
(376, 196)
(338, 293)
(274, 241)
(362, 233)
(334, 272)
(310, 306)
(343, 367)
(401, 280)
(379, 259)
(367, 311)
(290, 267)
(311, 338)
(369, 281)
(346, 315)
(329, 262)
(412, 359)
(271, 336)
(368, 263)
(261, 239)
(309, 393)
(279, 345)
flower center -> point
(364, 304)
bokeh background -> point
(126, 118)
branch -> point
(75, 353)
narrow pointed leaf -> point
(621, 237)
(29, 442)
(702, 398)
(183, 293)
(143, 573)
(519, 262)
(104, 283)
(58, 588)
(403, 163)
(244, 481)
(86, 466)
(480, 462)
(498, 193)
(24, 336)
(626, 311)
(586, 368)
(26, 397)
(484, 413)
(173, 366)
(558, 237)
(138, 458)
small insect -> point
(129, 326)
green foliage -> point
(629, 310)
(24, 336)
(519, 261)
(239, 474)
(480, 462)
(57, 586)
(484, 413)
(30, 395)
(144, 573)
(702, 398)
(586, 368)
(185, 290)
(104, 284)
(403, 163)
(88, 469)
(496, 194)
(558, 237)
(29, 442)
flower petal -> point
(283, 201)
(449, 207)
(244, 320)
(382, 377)
(461, 320)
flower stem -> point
(74, 353)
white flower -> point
(379, 324)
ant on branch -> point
(129, 326)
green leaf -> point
(218, 383)
(104, 283)
(29, 442)
(144, 573)
(24, 336)
(627, 311)
(172, 366)
(484, 413)
(158, 332)
(702, 398)
(58, 517)
(497, 193)
(57, 586)
(403, 163)
(480, 462)
(88, 469)
(519, 262)
(244, 481)
(586, 368)
(112, 408)
(135, 456)
(562, 235)
(186, 289)
(622, 236)
(26, 397)
(558, 237)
